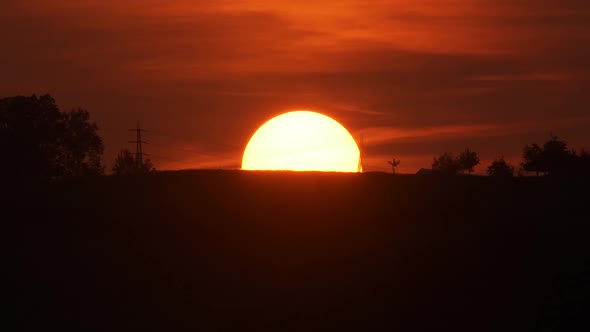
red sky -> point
(415, 77)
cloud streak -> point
(382, 135)
(428, 72)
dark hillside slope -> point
(222, 250)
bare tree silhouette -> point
(394, 163)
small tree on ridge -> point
(125, 164)
(500, 168)
(467, 161)
(446, 164)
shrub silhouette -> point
(126, 164)
(500, 168)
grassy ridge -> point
(223, 250)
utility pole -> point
(361, 151)
(138, 146)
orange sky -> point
(416, 78)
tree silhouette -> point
(37, 140)
(125, 164)
(533, 159)
(556, 156)
(500, 168)
(446, 164)
(79, 148)
(468, 160)
(394, 163)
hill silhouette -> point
(230, 250)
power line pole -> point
(138, 146)
(361, 152)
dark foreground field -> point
(220, 250)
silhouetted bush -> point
(448, 164)
(500, 168)
(126, 164)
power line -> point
(192, 151)
(139, 154)
(186, 138)
(173, 159)
(191, 141)
(195, 165)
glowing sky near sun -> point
(415, 77)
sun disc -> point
(302, 141)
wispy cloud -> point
(557, 77)
(399, 70)
(382, 135)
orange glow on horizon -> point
(302, 141)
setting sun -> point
(302, 141)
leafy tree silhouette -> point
(467, 161)
(553, 158)
(500, 168)
(37, 140)
(80, 148)
(533, 159)
(125, 164)
(446, 164)
(556, 156)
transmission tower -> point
(138, 146)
